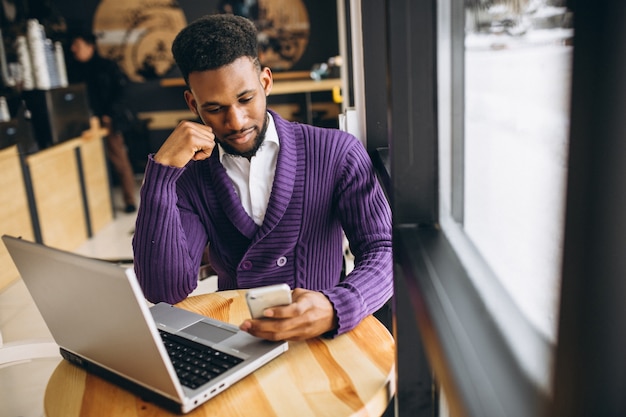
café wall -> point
(148, 95)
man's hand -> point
(190, 140)
(311, 314)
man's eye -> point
(245, 99)
(212, 109)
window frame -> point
(438, 312)
(466, 349)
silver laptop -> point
(98, 316)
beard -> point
(258, 141)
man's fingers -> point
(284, 312)
(188, 141)
(202, 154)
(287, 329)
(310, 315)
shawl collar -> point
(228, 198)
(284, 178)
(282, 189)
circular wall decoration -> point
(284, 31)
(138, 34)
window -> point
(504, 77)
(492, 349)
(491, 352)
(516, 131)
(503, 133)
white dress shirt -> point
(253, 179)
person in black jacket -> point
(106, 85)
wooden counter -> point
(96, 181)
(351, 375)
(70, 189)
(15, 216)
(56, 186)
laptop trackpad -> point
(208, 332)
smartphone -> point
(259, 299)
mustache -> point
(238, 132)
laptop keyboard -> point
(195, 363)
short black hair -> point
(213, 41)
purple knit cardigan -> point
(324, 184)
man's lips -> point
(240, 137)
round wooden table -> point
(350, 375)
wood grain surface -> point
(15, 217)
(350, 375)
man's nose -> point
(235, 118)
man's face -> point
(82, 50)
(232, 101)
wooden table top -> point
(350, 375)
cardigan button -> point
(246, 265)
(281, 261)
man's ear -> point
(191, 102)
(267, 80)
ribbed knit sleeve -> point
(163, 261)
(366, 220)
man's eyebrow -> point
(215, 103)
(246, 92)
(210, 103)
